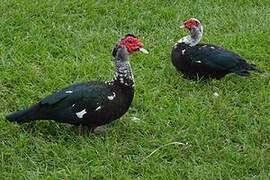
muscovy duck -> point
(94, 103)
(204, 61)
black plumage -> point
(204, 61)
(90, 104)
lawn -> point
(174, 129)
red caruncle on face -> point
(191, 23)
(132, 44)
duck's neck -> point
(123, 73)
(194, 37)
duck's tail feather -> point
(253, 67)
(27, 115)
(245, 68)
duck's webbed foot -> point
(98, 130)
(86, 130)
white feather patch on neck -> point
(194, 37)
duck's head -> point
(196, 31)
(191, 23)
(131, 43)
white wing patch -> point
(112, 96)
(198, 61)
(203, 46)
(109, 82)
(183, 51)
(98, 108)
(81, 113)
(212, 47)
(69, 92)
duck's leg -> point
(83, 130)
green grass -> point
(47, 45)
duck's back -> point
(93, 103)
(203, 61)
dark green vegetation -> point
(47, 45)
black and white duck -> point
(94, 103)
(203, 61)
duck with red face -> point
(94, 103)
(203, 61)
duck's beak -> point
(182, 26)
(143, 50)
